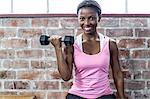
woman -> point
(90, 57)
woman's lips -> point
(87, 28)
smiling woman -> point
(89, 57)
(59, 6)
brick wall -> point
(26, 67)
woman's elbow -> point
(66, 78)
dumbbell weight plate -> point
(44, 40)
(68, 40)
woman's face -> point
(88, 19)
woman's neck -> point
(90, 37)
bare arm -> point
(64, 59)
(117, 73)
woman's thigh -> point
(112, 96)
(71, 96)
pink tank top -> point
(91, 71)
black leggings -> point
(71, 96)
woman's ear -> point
(99, 18)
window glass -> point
(139, 6)
(29, 6)
(5, 6)
(70, 6)
(113, 6)
(63, 6)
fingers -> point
(55, 37)
(55, 41)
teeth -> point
(87, 28)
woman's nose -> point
(86, 22)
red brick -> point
(50, 53)
(30, 32)
(37, 94)
(124, 53)
(14, 43)
(140, 95)
(119, 32)
(135, 85)
(133, 22)
(0, 85)
(148, 84)
(29, 53)
(61, 32)
(35, 43)
(69, 22)
(2, 32)
(7, 74)
(149, 64)
(9, 32)
(100, 30)
(53, 22)
(131, 43)
(146, 75)
(16, 85)
(6, 54)
(8, 93)
(40, 22)
(31, 75)
(46, 85)
(53, 75)
(148, 43)
(57, 95)
(142, 32)
(14, 22)
(16, 64)
(137, 74)
(133, 64)
(127, 74)
(41, 64)
(109, 22)
(140, 54)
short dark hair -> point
(90, 3)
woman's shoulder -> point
(113, 45)
(106, 38)
(78, 39)
(112, 42)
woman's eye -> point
(82, 19)
(92, 18)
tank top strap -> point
(103, 39)
(78, 41)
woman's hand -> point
(56, 41)
(123, 97)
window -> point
(69, 6)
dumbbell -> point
(68, 40)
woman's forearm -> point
(119, 82)
(63, 68)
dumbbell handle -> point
(68, 40)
